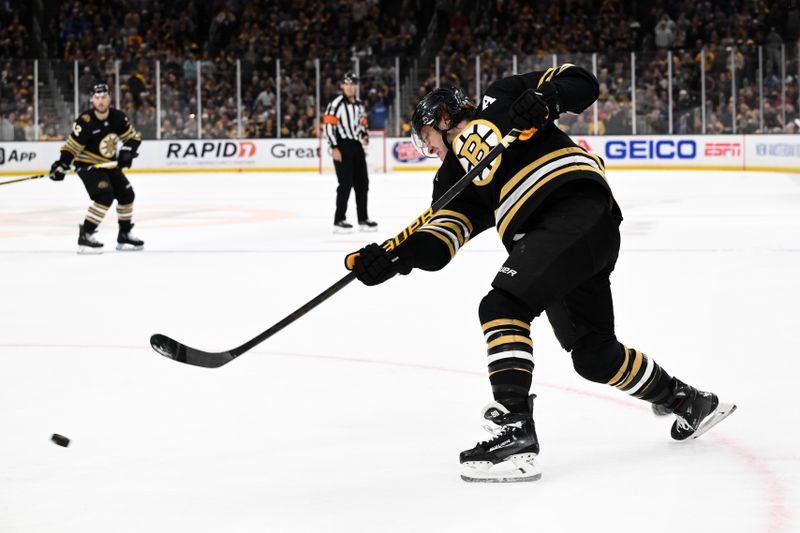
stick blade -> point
(176, 351)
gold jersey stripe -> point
(541, 183)
(453, 227)
(544, 77)
(505, 322)
(89, 157)
(507, 369)
(510, 339)
(441, 238)
(74, 141)
(528, 169)
(454, 214)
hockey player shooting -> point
(559, 222)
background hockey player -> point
(93, 140)
(559, 222)
(346, 131)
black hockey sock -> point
(641, 377)
(89, 227)
(510, 357)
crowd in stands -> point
(124, 40)
(573, 30)
(16, 78)
(260, 35)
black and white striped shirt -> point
(344, 120)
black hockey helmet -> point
(100, 88)
(430, 110)
(350, 77)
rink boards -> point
(779, 153)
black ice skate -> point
(660, 410)
(87, 243)
(342, 226)
(367, 225)
(696, 411)
(509, 455)
(127, 242)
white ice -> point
(352, 418)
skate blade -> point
(517, 468)
(367, 229)
(88, 250)
(339, 231)
(121, 247)
(722, 412)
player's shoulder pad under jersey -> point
(473, 143)
(86, 117)
(117, 114)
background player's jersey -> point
(95, 141)
(510, 189)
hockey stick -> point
(173, 349)
(24, 179)
(110, 164)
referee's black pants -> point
(352, 174)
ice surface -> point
(351, 419)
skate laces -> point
(500, 432)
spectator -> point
(665, 32)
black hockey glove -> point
(125, 157)
(535, 108)
(373, 265)
(58, 170)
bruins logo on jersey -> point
(473, 144)
(108, 146)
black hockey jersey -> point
(510, 189)
(95, 141)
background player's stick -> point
(180, 352)
(110, 164)
(24, 179)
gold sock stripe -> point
(506, 369)
(635, 366)
(510, 339)
(125, 212)
(96, 213)
(621, 371)
(504, 322)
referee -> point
(346, 129)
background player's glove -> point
(374, 265)
(58, 170)
(125, 157)
(535, 108)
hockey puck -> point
(61, 440)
